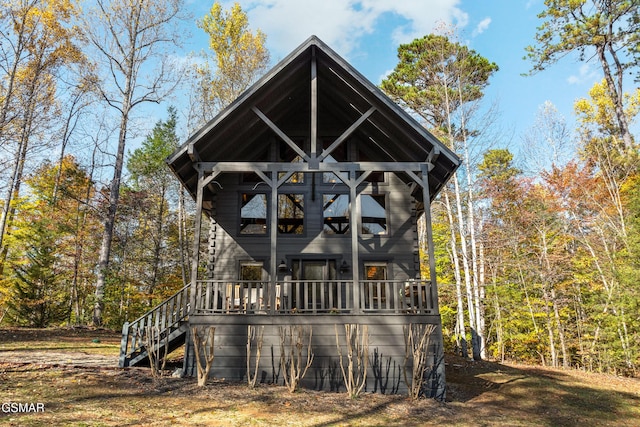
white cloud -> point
(585, 74)
(482, 26)
(343, 24)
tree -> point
(610, 28)
(53, 257)
(152, 178)
(546, 143)
(239, 57)
(434, 77)
(442, 81)
(128, 36)
(38, 44)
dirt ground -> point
(74, 372)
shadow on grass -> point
(544, 396)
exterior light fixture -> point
(282, 267)
(344, 267)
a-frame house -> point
(313, 181)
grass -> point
(479, 394)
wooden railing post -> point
(124, 344)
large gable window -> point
(374, 214)
(290, 213)
(253, 214)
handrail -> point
(166, 317)
(315, 296)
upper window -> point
(253, 214)
(290, 213)
(335, 211)
(288, 154)
(374, 214)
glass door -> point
(315, 287)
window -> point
(290, 213)
(374, 214)
(253, 214)
(251, 271)
(332, 178)
(289, 155)
(335, 211)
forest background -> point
(537, 257)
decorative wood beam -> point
(264, 177)
(362, 177)
(206, 181)
(433, 157)
(304, 167)
(273, 261)
(196, 240)
(433, 294)
(356, 209)
(193, 153)
(284, 179)
(415, 177)
(280, 133)
(314, 103)
(346, 133)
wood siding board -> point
(386, 348)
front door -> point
(315, 286)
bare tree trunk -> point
(204, 346)
(560, 327)
(467, 271)
(13, 191)
(552, 341)
(461, 333)
(616, 92)
(126, 42)
(109, 221)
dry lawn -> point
(72, 372)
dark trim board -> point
(386, 350)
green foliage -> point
(237, 58)
(51, 257)
(39, 298)
(435, 76)
(147, 163)
(577, 25)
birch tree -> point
(131, 42)
(440, 80)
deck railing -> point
(313, 296)
(165, 317)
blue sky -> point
(367, 34)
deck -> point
(323, 307)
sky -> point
(367, 34)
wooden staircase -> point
(170, 322)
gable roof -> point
(284, 96)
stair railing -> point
(166, 317)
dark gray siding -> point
(386, 350)
(398, 246)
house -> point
(313, 182)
